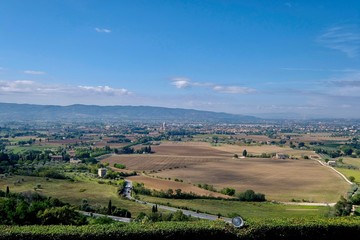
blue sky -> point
(263, 58)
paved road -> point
(128, 189)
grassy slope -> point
(74, 192)
(244, 209)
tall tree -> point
(109, 210)
(244, 153)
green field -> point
(350, 172)
(73, 192)
(244, 209)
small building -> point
(102, 172)
(281, 156)
(332, 163)
(56, 158)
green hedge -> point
(155, 231)
(299, 228)
(277, 229)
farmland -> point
(281, 180)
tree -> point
(244, 153)
(351, 178)
(178, 192)
(7, 191)
(109, 210)
(154, 208)
(347, 150)
(343, 207)
(236, 156)
(228, 191)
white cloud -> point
(181, 83)
(31, 87)
(102, 30)
(345, 39)
(32, 72)
(16, 86)
(104, 90)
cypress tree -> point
(109, 208)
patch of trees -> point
(10, 161)
(208, 187)
(117, 175)
(119, 165)
(228, 191)
(49, 172)
(251, 196)
(32, 208)
(130, 150)
(344, 206)
(109, 210)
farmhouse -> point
(281, 156)
(332, 163)
(102, 172)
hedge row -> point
(277, 229)
(161, 230)
(300, 228)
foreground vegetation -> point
(293, 229)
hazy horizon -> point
(257, 58)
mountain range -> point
(78, 112)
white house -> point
(102, 172)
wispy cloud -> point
(33, 72)
(345, 38)
(102, 30)
(319, 69)
(182, 83)
(347, 85)
(31, 87)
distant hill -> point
(78, 112)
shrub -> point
(251, 196)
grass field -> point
(73, 192)
(352, 161)
(350, 172)
(244, 209)
(281, 180)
